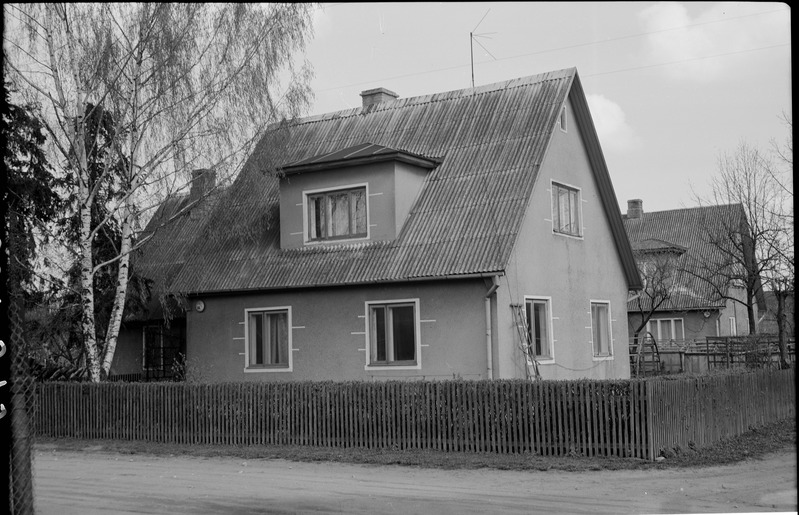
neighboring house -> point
(404, 238)
(680, 241)
(152, 342)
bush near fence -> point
(628, 418)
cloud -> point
(691, 40)
(611, 125)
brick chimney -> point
(377, 95)
(635, 208)
(202, 182)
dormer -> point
(358, 194)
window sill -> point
(603, 358)
(285, 368)
(545, 361)
(568, 235)
(401, 365)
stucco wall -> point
(328, 333)
(391, 187)
(571, 271)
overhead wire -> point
(589, 43)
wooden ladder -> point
(525, 345)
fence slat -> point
(634, 418)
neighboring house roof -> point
(490, 141)
(686, 231)
(170, 233)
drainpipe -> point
(489, 353)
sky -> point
(672, 86)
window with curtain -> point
(538, 327)
(392, 333)
(268, 339)
(337, 214)
(566, 210)
(600, 329)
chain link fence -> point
(20, 413)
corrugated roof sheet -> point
(171, 233)
(492, 140)
(691, 229)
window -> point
(562, 119)
(267, 339)
(393, 337)
(538, 327)
(600, 329)
(733, 327)
(565, 210)
(161, 346)
(337, 214)
(666, 329)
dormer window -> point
(337, 214)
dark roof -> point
(656, 245)
(357, 155)
(491, 141)
(687, 229)
(170, 234)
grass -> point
(776, 437)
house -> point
(152, 340)
(678, 254)
(434, 237)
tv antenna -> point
(473, 39)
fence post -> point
(649, 433)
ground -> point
(92, 480)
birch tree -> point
(187, 86)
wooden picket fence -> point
(631, 418)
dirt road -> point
(91, 482)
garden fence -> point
(626, 418)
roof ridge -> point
(431, 97)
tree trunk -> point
(781, 340)
(87, 285)
(119, 298)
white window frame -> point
(553, 208)
(563, 120)
(290, 348)
(733, 326)
(543, 360)
(671, 321)
(610, 355)
(370, 365)
(306, 222)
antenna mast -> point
(472, 40)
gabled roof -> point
(652, 245)
(491, 141)
(358, 155)
(689, 229)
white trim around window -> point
(667, 329)
(268, 349)
(306, 219)
(382, 319)
(567, 215)
(601, 329)
(544, 349)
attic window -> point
(562, 119)
(337, 214)
(566, 210)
